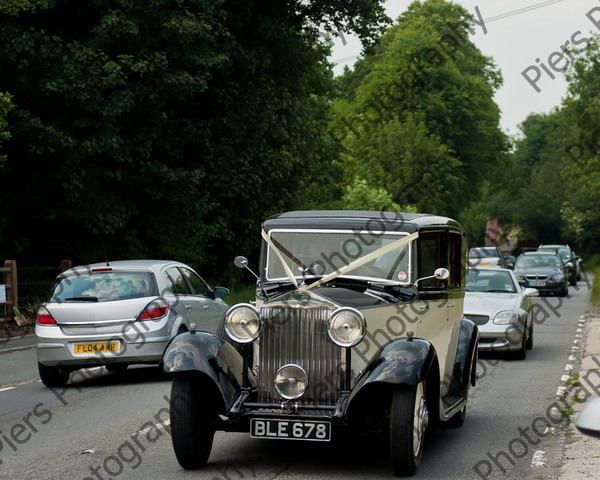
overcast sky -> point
(515, 39)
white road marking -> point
(6, 388)
(539, 459)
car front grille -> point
(537, 277)
(299, 336)
(478, 319)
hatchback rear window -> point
(104, 286)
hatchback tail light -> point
(44, 317)
(155, 309)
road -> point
(115, 425)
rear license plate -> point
(538, 283)
(290, 429)
(96, 347)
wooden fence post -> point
(12, 290)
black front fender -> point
(401, 362)
(211, 356)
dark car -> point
(358, 327)
(571, 260)
(544, 271)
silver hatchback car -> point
(121, 313)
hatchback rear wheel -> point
(53, 376)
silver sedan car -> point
(502, 310)
(121, 313)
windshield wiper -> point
(81, 299)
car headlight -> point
(506, 317)
(557, 278)
(291, 381)
(346, 327)
(242, 323)
(521, 278)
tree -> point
(417, 117)
(165, 129)
(6, 106)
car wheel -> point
(408, 421)
(565, 290)
(573, 280)
(529, 343)
(53, 376)
(521, 353)
(192, 422)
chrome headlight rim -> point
(362, 327)
(251, 336)
(505, 317)
(303, 381)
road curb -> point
(581, 453)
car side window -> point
(455, 259)
(431, 256)
(200, 288)
(177, 282)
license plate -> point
(290, 429)
(96, 347)
(538, 283)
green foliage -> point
(417, 116)
(6, 106)
(551, 188)
(165, 129)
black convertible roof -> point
(361, 219)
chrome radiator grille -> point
(299, 336)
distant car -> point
(572, 261)
(486, 257)
(544, 271)
(120, 314)
(502, 310)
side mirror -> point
(439, 274)
(220, 292)
(531, 292)
(588, 420)
(242, 262)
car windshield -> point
(322, 252)
(103, 286)
(563, 252)
(489, 281)
(532, 261)
(480, 252)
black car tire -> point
(529, 343)
(406, 421)
(192, 422)
(565, 290)
(53, 376)
(521, 353)
(573, 279)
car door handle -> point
(423, 307)
(188, 307)
(450, 305)
(206, 307)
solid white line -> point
(6, 388)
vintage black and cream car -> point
(357, 326)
